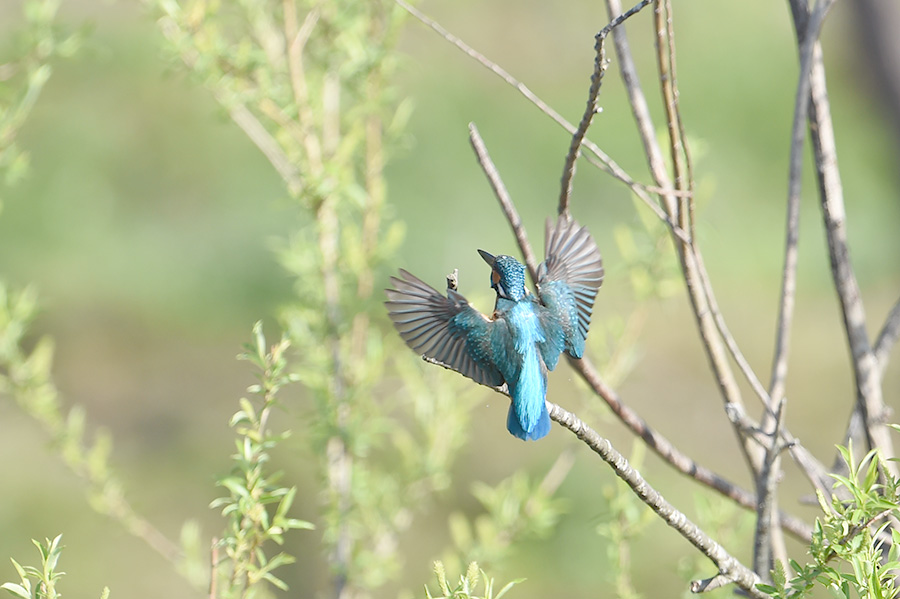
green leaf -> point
(260, 339)
(17, 590)
(508, 586)
(295, 524)
(236, 486)
(275, 581)
(19, 569)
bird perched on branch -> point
(513, 349)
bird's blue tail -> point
(540, 430)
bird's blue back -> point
(517, 346)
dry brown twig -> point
(600, 64)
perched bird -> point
(513, 349)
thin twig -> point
(709, 584)
(641, 111)
(214, 568)
(890, 331)
(733, 348)
(506, 204)
(665, 61)
(765, 544)
(789, 273)
(295, 39)
(600, 64)
(728, 566)
(267, 144)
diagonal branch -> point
(600, 64)
(890, 331)
(729, 567)
(789, 274)
(512, 215)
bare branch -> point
(729, 566)
(600, 64)
(665, 60)
(709, 584)
(506, 204)
(641, 111)
(789, 273)
(766, 543)
(890, 331)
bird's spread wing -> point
(445, 330)
(569, 278)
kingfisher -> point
(513, 349)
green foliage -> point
(468, 584)
(625, 520)
(309, 83)
(646, 253)
(40, 583)
(852, 556)
(25, 69)
(729, 524)
(256, 506)
(26, 377)
(515, 509)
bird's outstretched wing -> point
(569, 278)
(445, 330)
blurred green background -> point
(148, 220)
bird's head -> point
(507, 276)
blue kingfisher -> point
(513, 349)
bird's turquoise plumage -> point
(523, 339)
(522, 366)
